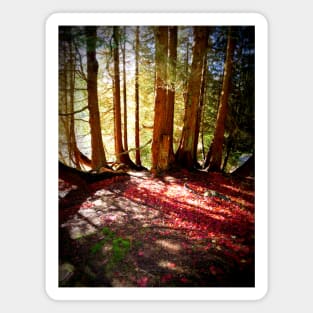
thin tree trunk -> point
(202, 137)
(185, 87)
(169, 125)
(116, 97)
(186, 72)
(124, 90)
(229, 146)
(214, 157)
(121, 155)
(73, 143)
(65, 120)
(137, 136)
(201, 103)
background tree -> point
(67, 81)
(214, 156)
(172, 60)
(239, 126)
(185, 154)
(124, 90)
(122, 156)
(196, 104)
(200, 108)
(137, 136)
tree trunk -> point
(98, 158)
(185, 154)
(124, 90)
(201, 103)
(185, 83)
(121, 155)
(137, 137)
(229, 146)
(164, 108)
(74, 156)
(171, 90)
(67, 65)
(161, 47)
(214, 157)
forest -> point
(156, 156)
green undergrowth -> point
(118, 247)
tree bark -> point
(121, 155)
(201, 103)
(162, 144)
(185, 154)
(137, 137)
(169, 125)
(161, 46)
(124, 90)
(74, 156)
(214, 157)
(98, 158)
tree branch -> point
(74, 112)
(82, 73)
(134, 149)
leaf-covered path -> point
(181, 229)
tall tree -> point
(214, 157)
(74, 151)
(200, 109)
(185, 154)
(171, 90)
(124, 89)
(67, 68)
(162, 144)
(161, 50)
(122, 156)
(98, 158)
(137, 136)
(64, 138)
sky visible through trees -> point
(239, 125)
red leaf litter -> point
(182, 229)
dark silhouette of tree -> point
(214, 157)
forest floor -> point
(184, 229)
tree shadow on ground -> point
(129, 234)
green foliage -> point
(239, 128)
(120, 247)
(97, 247)
(107, 232)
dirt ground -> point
(179, 230)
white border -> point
(261, 140)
